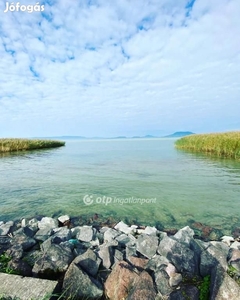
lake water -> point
(184, 186)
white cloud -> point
(117, 67)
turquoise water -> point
(184, 186)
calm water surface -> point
(186, 186)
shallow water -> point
(186, 186)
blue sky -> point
(108, 68)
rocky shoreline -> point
(120, 261)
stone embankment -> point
(123, 262)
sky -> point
(123, 67)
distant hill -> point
(179, 134)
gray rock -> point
(162, 282)
(33, 223)
(184, 235)
(178, 254)
(118, 256)
(131, 250)
(27, 230)
(235, 245)
(43, 234)
(216, 253)
(53, 262)
(85, 234)
(147, 245)
(121, 226)
(234, 260)
(15, 252)
(190, 292)
(106, 254)
(223, 287)
(47, 222)
(88, 262)
(21, 267)
(6, 227)
(77, 284)
(228, 240)
(175, 279)
(60, 235)
(123, 239)
(110, 234)
(5, 243)
(25, 241)
(64, 219)
(157, 262)
(150, 230)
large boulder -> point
(216, 253)
(6, 227)
(178, 254)
(143, 288)
(77, 284)
(120, 281)
(106, 253)
(223, 287)
(88, 262)
(184, 235)
(53, 262)
(147, 245)
(85, 233)
(47, 222)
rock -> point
(85, 234)
(175, 279)
(139, 263)
(53, 263)
(110, 234)
(47, 222)
(23, 223)
(143, 288)
(131, 250)
(23, 240)
(106, 254)
(190, 292)
(121, 226)
(147, 245)
(77, 284)
(88, 262)
(216, 253)
(25, 288)
(27, 230)
(178, 254)
(227, 240)
(234, 259)
(157, 262)
(162, 282)
(15, 251)
(33, 223)
(5, 243)
(60, 235)
(120, 281)
(184, 235)
(43, 234)
(6, 227)
(150, 230)
(21, 267)
(223, 287)
(123, 239)
(118, 256)
(235, 245)
(64, 219)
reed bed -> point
(225, 144)
(11, 145)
